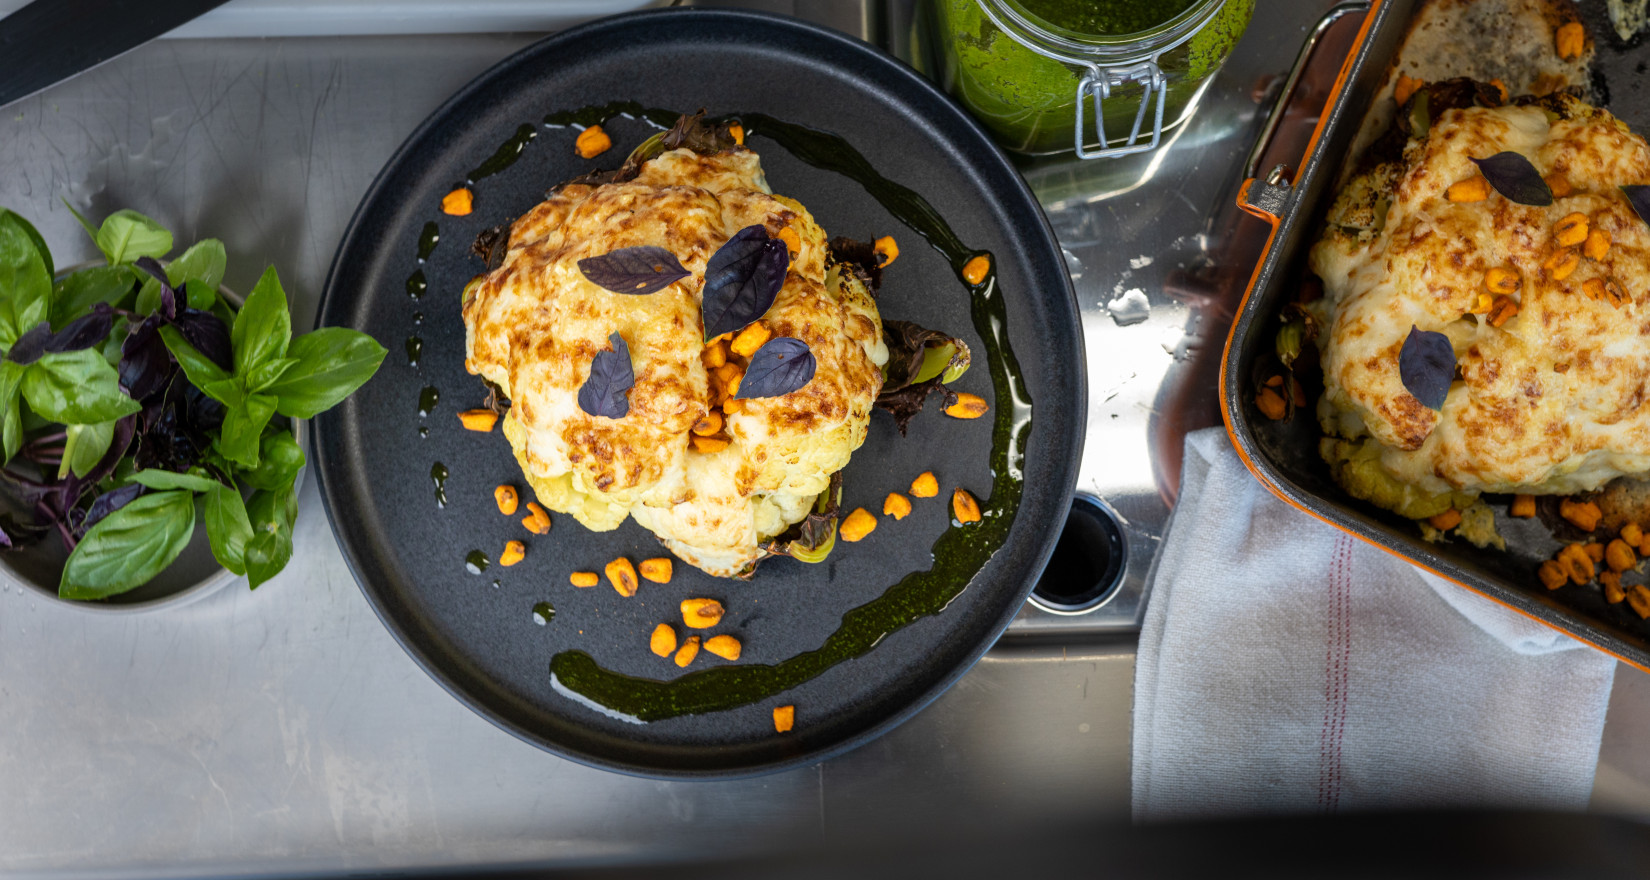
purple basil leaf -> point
(741, 280)
(201, 412)
(779, 367)
(1426, 364)
(31, 345)
(108, 503)
(1513, 176)
(606, 392)
(85, 331)
(145, 364)
(637, 270)
(168, 295)
(125, 430)
(209, 335)
(1638, 195)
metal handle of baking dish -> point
(1269, 197)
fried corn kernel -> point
(1271, 404)
(793, 243)
(707, 445)
(1523, 505)
(750, 339)
(1561, 264)
(1576, 564)
(1406, 88)
(506, 498)
(537, 520)
(1595, 551)
(1504, 309)
(714, 356)
(710, 424)
(1500, 87)
(925, 486)
(724, 646)
(887, 251)
(857, 525)
(1559, 184)
(1619, 556)
(1639, 598)
(1552, 575)
(1570, 40)
(688, 651)
(1632, 534)
(1447, 520)
(514, 552)
(1593, 288)
(1275, 382)
(1481, 303)
(729, 374)
(1571, 230)
(738, 133)
(663, 640)
(584, 579)
(702, 613)
(592, 142)
(968, 406)
(975, 270)
(1597, 245)
(1584, 515)
(964, 507)
(1613, 293)
(622, 575)
(1473, 189)
(481, 420)
(1644, 546)
(657, 569)
(458, 203)
(896, 505)
(732, 406)
(1611, 582)
(784, 718)
(1500, 279)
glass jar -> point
(1043, 88)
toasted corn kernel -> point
(592, 142)
(583, 579)
(1559, 184)
(1597, 245)
(1481, 304)
(975, 270)
(1552, 575)
(1583, 514)
(1575, 562)
(1407, 87)
(1447, 520)
(663, 640)
(738, 132)
(458, 203)
(896, 505)
(1561, 264)
(1595, 551)
(707, 445)
(536, 520)
(857, 525)
(657, 570)
(925, 486)
(1571, 230)
(1570, 40)
(506, 498)
(1275, 381)
(728, 372)
(1593, 288)
(481, 420)
(732, 406)
(750, 339)
(1611, 582)
(964, 507)
(793, 243)
(710, 424)
(1523, 505)
(514, 552)
(622, 575)
(1500, 87)
(1619, 556)
(968, 406)
(688, 651)
(1502, 280)
(1613, 294)
(714, 356)
(1271, 404)
(726, 647)
(733, 386)
(1632, 534)
(702, 613)
(1473, 189)
(784, 717)
(1639, 598)
(1504, 309)
(887, 251)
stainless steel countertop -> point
(285, 731)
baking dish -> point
(1283, 454)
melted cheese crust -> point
(1555, 400)
(534, 325)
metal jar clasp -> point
(1098, 82)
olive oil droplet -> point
(427, 240)
(416, 285)
(438, 473)
(415, 347)
(475, 562)
(543, 613)
(427, 399)
(423, 431)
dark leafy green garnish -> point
(1426, 364)
(812, 539)
(920, 362)
(635, 270)
(1514, 177)
(782, 365)
(606, 392)
(741, 280)
(1638, 195)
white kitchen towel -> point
(1285, 666)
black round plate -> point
(477, 634)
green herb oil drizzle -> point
(506, 154)
(417, 284)
(960, 552)
(427, 240)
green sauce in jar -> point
(1110, 18)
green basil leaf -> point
(263, 328)
(85, 447)
(272, 515)
(128, 547)
(332, 363)
(126, 235)
(266, 374)
(78, 292)
(228, 527)
(203, 263)
(155, 478)
(76, 388)
(198, 367)
(11, 420)
(36, 237)
(279, 461)
(228, 392)
(242, 427)
(200, 296)
(26, 284)
(91, 231)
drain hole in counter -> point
(1087, 564)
